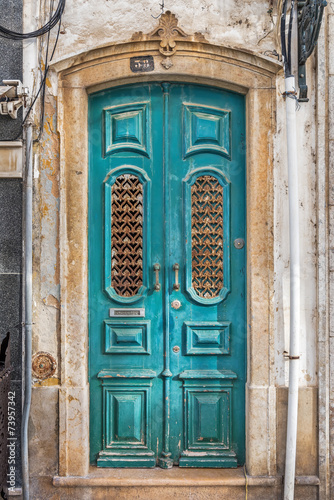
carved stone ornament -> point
(169, 33)
(43, 365)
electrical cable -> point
(46, 66)
(287, 68)
(290, 33)
(14, 35)
(43, 81)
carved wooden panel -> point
(207, 418)
(206, 130)
(207, 232)
(126, 418)
(128, 337)
(127, 235)
(126, 128)
(207, 337)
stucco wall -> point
(306, 137)
(227, 22)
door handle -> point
(156, 269)
(176, 285)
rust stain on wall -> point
(48, 382)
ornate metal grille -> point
(127, 235)
(207, 234)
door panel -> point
(125, 348)
(207, 158)
(166, 284)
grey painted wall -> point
(11, 220)
(10, 61)
(10, 290)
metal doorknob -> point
(156, 269)
(176, 285)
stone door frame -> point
(193, 62)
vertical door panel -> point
(125, 240)
(207, 183)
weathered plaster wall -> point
(43, 424)
(331, 238)
(228, 22)
(46, 236)
(306, 141)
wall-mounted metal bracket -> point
(13, 95)
(310, 14)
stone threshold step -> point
(173, 477)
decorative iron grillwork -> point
(127, 235)
(310, 13)
(207, 235)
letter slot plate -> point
(137, 312)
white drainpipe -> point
(291, 438)
(28, 309)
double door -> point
(167, 276)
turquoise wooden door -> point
(167, 276)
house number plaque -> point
(141, 64)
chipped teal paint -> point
(207, 419)
(152, 404)
(126, 418)
(126, 373)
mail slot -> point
(138, 312)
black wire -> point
(14, 35)
(283, 41)
(290, 34)
(42, 85)
(44, 79)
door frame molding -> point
(239, 70)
